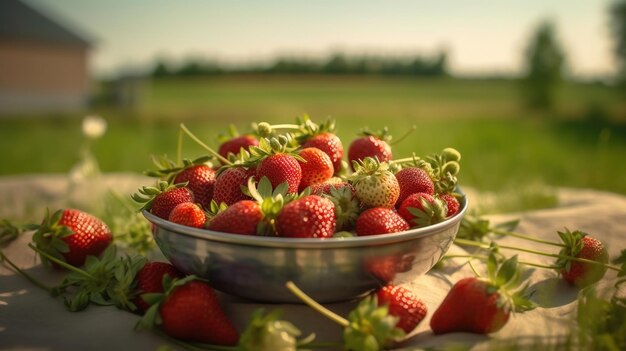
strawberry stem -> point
(536, 252)
(60, 262)
(526, 237)
(316, 305)
(483, 257)
(205, 146)
(4, 258)
(285, 126)
(179, 147)
(409, 132)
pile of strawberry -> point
(292, 181)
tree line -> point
(337, 63)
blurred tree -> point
(161, 69)
(543, 71)
(618, 30)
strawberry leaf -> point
(508, 226)
(507, 272)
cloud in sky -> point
(480, 36)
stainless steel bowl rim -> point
(304, 243)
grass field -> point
(504, 145)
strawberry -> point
(317, 167)
(200, 180)
(580, 245)
(307, 217)
(190, 310)
(197, 174)
(188, 214)
(72, 235)
(472, 305)
(422, 209)
(374, 184)
(228, 185)
(234, 145)
(452, 203)
(276, 159)
(380, 220)
(369, 145)
(330, 144)
(403, 304)
(413, 180)
(160, 200)
(149, 279)
(482, 305)
(242, 217)
(279, 168)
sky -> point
(480, 36)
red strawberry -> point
(483, 305)
(402, 304)
(149, 279)
(452, 203)
(422, 209)
(72, 235)
(369, 146)
(162, 199)
(228, 185)
(380, 220)
(472, 305)
(234, 145)
(188, 214)
(330, 144)
(192, 311)
(280, 168)
(413, 180)
(580, 245)
(318, 167)
(200, 180)
(308, 217)
(242, 217)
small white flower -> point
(94, 126)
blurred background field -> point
(521, 132)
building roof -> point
(20, 21)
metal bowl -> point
(329, 270)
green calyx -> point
(368, 167)
(371, 327)
(430, 213)
(271, 201)
(283, 144)
(49, 234)
(504, 277)
(147, 194)
(307, 128)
